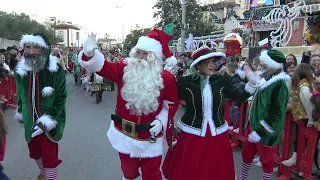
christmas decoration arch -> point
(286, 15)
(212, 41)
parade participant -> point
(42, 94)
(266, 114)
(98, 86)
(203, 150)
(140, 125)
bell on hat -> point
(157, 42)
(205, 53)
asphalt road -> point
(85, 149)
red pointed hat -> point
(157, 41)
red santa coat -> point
(138, 147)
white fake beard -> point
(142, 84)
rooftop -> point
(64, 26)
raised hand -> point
(90, 45)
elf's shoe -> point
(42, 177)
(292, 161)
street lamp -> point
(119, 7)
(183, 29)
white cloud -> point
(95, 15)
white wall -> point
(64, 34)
(4, 43)
(73, 37)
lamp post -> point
(183, 29)
(122, 39)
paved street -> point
(85, 149)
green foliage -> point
(170, 11)
(132, 38)
(14, 25)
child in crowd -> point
(304, 95)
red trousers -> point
(249, 150)
(150, 167)
(41, 147)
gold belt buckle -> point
(128, 128)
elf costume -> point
(131, 132)
(203, 150)
(41, 101)
(266, 114)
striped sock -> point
(40, 165)
(52, 173)
(244, 171)
(266, 176)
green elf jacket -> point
(50, 93)
(267, 110)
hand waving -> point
(90, 45)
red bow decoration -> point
(314, 93)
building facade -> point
(71, 34)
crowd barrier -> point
(307, 138)
(307, 141)
(8, 90)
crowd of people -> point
(149, 93)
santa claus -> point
(143, 116)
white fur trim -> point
(163, 115)
(53, 64)
(18, 117)
(250, 88)
(198, 132)
(266, 126)
(207, 56)
(270, 62)
(47, 91)
(149, 44)
(96, 62)
(134, 148)
(47, 122)
(33, 39)
(241, 74)
(22, 68)
(281, 76)
(171, 61)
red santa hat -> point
(157, 42)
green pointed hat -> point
(39, 39)
(273, 58)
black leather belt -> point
(130, 128)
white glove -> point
(254, 137)
(90, 45)
(47, 122)
(37, 132)
(157, 127)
